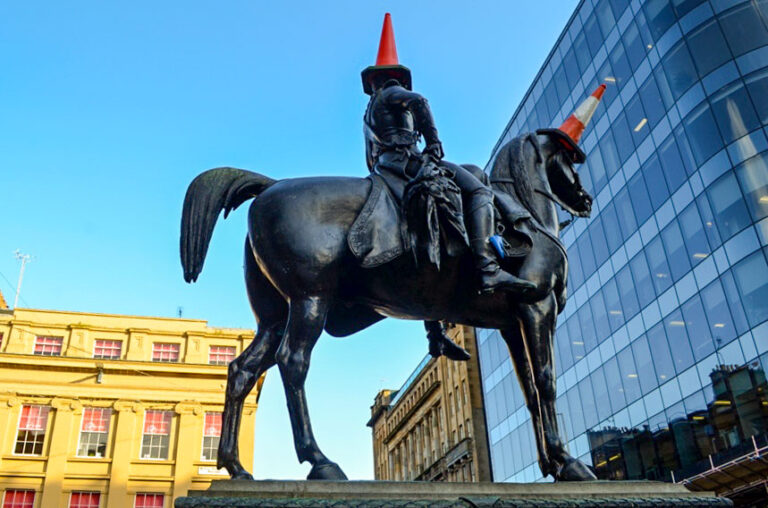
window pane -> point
(753, 177)
(654, 179)
(637, 120)
(633, 46)
(157, 429)
(588, 402)
(708, 47)
(613, 305)
(744, 29)
(611, 227)
(751, 276)
(615, 386)
(698, 328)
(629, 375)
(588, 328)
(757, 84)
(48, 346)
(581, 48)
(577, 338)
(592, 31)
(734, 112)
(561, 85)
(693, 234)
(84, 500)
(644, 361)
(734, 302)
(705, 212)
(605, 16)
(211, 435)
(672, 164)
(165, 352)
(683, 7)
(33, 422)
(572, 71)
(643, 284)
(19, 499)
(221, 355)
(638, 193)
(609, 155)
(718, 314)
(657, 261)
(659, 15)
(596, 171)
(703, 136)
(731, 215)
(674, 326)
(625, 213)
(599, 243)
(627, 291)
(679, 69)
(94, 430)
(621, 70)
(107, 349)
(149, 501)
(585, 255)
(675, 248)
(600, 316)
(652, 102)
(662, 358)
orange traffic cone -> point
(387, 64)
(569, 133)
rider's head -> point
(378, 77)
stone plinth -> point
(348, 494)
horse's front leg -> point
(538, 327)
(514, 338)
(306, 319)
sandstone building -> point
(433, 428)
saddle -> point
(380, 232)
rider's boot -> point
(442, 345)
(492, 277)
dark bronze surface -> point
(302, 278)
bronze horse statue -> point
(302, 279)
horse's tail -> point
(209, 193)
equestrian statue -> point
(339, 254)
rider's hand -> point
(434, 150)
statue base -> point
(348, 494)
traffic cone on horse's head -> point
(571, 130)
(387, 64)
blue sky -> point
(108, 110)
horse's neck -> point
(545, 207)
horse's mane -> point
(510, 174)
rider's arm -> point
(419, 107)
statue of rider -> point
(395, 120)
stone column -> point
(189, 433)
(58, 449)
(128, 415)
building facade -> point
(664, 338)
(112, 411)
(433, 428)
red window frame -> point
(165, 352)
(149, 500)
(46, 345)
(221, 355)
(19, 498)
(107, 349)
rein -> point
(538, 227)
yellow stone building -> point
(433, 427)
(105, 411)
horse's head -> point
(563, 178)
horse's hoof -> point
(242, 475)
(574, 470)
(326, 471)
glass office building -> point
(662, 347)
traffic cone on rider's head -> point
(387, 64)
(571, 130)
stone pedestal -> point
(349, 494)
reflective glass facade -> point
(662, 346)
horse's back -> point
(298, 230)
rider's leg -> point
(478, 200)
(442, 345)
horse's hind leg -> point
(306, 319)
(271, 312)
